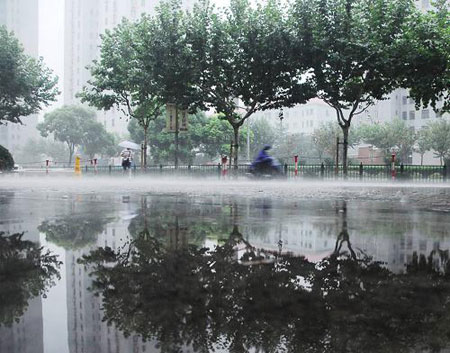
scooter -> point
(269, 169)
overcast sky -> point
(51, 37)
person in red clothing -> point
(224, 165)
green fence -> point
(305, 171)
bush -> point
(6, 160)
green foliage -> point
(26, 85)
(69, 124)
(75, 231)
(325, 138)
(124, 77)
(425, 60)
(167, 54)
(6, 159)
(210, 136)
(394, 135)
(26, 271)
(241, 54)
(36, 151)
(263, 134)
(97, 140)
(423, 143)
(351, 45)
(439, 132)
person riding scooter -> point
(264, 164)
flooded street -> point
(143, 270)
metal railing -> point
(306, 171)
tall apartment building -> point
(85, 21)
(21, 18)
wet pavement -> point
(158, 271)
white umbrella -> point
(129, 144)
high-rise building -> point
(85, 21)
(21, 18)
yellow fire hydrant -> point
(78, 166)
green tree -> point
(352, 50)
(6, 159)
(26, 85)
(97, 140)
(440, 139)
(423, 143)
(68, 124)
(210, 136)
(426, 65)
(166, 53)
(241, 55)
(263, 134)
(37, 150)
(124, 77)
(161, 142)
(325, 140)
(390, 136)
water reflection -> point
(240, 297)
(26, 273)
(185, 274)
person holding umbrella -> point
(127, 157)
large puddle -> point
(104, 273)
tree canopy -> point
(424, 57)
(124, 79)
(242, 55)
(391, 137)
(76, 126)
(26, 84)
(352, 46)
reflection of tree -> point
(345, 303)
(179, 223)
(74, 231)
(26, 271)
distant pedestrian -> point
(127, 157)
(224, 165)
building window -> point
(425, 114)
(405, 100)
(412, 115)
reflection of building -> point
(20, 17)
(87, 332)
(25, 336)
(388, 235)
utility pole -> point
(248, 141)
(177, 131)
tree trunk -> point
(144, 150)
(345, 130)
(235, 147)
(421, 159)
(71, 150)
